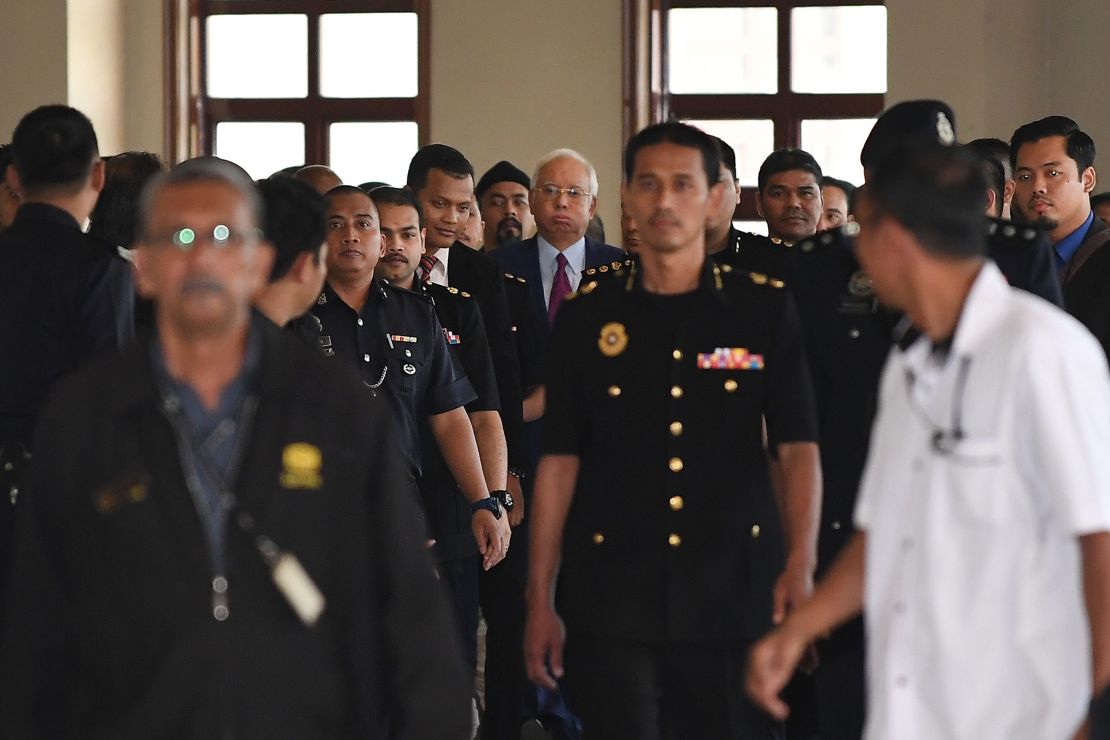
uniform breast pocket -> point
(975, 481)
(406, 362)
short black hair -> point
(785, 160)
(844, 186)
(936, 192)
(681, 134)
(386, 195)
(366, 187)
(728, 156)
(346, 190)
(115, 217)
(1079, 146)
(54, 146)
(996, 148)
(993, 171)
(294, 221)
(436, 157)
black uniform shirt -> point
(65, 297)
(674, 533)
(747, 252)
(396, 345)
(446, 510)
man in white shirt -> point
(982, 561)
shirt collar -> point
(1069, 245)
(444, 255)
(575, 253)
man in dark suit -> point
(65, 297)
(563, 200)
(217, 539)
(1054, 168)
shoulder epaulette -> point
(775, 240)
(384, 285)
(614, 266)
(760, 279)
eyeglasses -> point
(551, 192)
(220, 238)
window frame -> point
(647, 97)
(192, 115)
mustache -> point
(202, 285)
(509, 222)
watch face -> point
(509, 503)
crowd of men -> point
(274, 452)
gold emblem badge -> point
(301, 463)
(860, 285)
(613, 339)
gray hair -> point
(203, 169)
(569, 154)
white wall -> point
(33, 42)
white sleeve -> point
(881, 430)
(1068, 386)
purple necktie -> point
(560, 288)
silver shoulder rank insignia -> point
(613, 339)
(860, 285)
(945, 134)
(322, 300)
(301, 466)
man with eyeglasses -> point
(217, 537)
(392, 339)
(982, 560)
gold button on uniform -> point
(598, 538)
(755, 530)
(731, 385)
(674, 540)
(676, 391)
(676, 428)
(677, 503)
(675, 464)
(614, 390)
(677, 354)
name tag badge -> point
(298, 588)
(729, 358)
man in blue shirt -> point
(1054, 168)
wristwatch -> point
(489, 504)
(505, 498)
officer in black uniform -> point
(447, 510)
(65, 296)
(654, 485)
(395, 343)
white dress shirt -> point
(576, 263)
(976, 623)
(439, 272)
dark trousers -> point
(840, 683)
(502, 599)
(625, 690)
(460, 577)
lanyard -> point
(288, 574)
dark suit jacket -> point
(480, 276)
(523, 259)
(111, 631)
(1085, 281)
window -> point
(280, 83)
(762, 75)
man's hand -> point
(544, 637)
(771, 663)
(516, 516)
(792, 589)
(492, 535)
